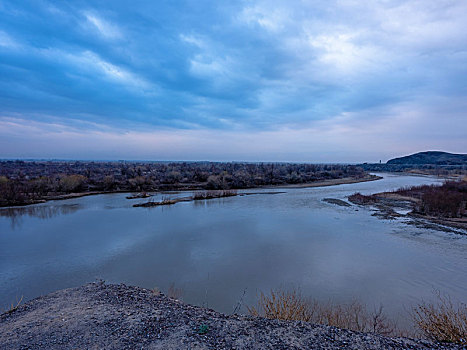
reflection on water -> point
(47, 211)
(216, 249)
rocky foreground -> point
(105, 316)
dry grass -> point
(174, 292)
(358, 198)
(355, 316)
(14, 306)
(283, 305)
(442, 321)
(291, 305)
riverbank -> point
(391, 205)
(322, 183)
(61, 197)
(99, 316)
(331, 182)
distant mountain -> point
(431, 157)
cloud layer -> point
(303, 81)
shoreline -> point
(386, 204)
(331, 182)
(321, 183)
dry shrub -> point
(174, 292)
(13, 306)
(447, 200)
(442, 321)
(167, 200)
(355, 316)
(291, 305)
(213, 194)
(283, 305)
(358, 198)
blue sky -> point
(319, 81)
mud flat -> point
(337, 202)
(105, 316)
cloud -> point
(89, 61)
(400, 130)
(243, 68)
(7, 41)
(104, 28)
(273, 20)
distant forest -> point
(433, 169)
(23, 182)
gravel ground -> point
(106, 316)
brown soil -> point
(101, 316)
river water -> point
(219, 250)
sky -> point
(272, 80)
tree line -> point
(28, 181)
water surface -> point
(220, 249)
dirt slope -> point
(102, 316)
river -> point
(217, 251)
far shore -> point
(331, 182)
(322, 183)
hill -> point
(431, 157)
(102, 316)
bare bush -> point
(283, 305)
(174, 292)
(13, 306)
(448, 200)
(291, 305)
(200, 195)
(358, 198)
(442, 321)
